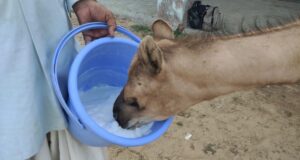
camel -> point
(169, 75)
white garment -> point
(29, 33)
(61, 146)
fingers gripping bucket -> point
(112, 53)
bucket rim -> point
(87, 120)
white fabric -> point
(61, 146)
(29, 33)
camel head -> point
(147, 96)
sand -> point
(259, 124)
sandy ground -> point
(258, 124)
(252, 125)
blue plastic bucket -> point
(108, 53)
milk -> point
(98, 102)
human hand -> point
(92, 11)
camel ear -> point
(162, 30)
(151, 55)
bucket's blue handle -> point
(59, 48)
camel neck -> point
(235, 64)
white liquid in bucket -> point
(99, 101)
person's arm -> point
(92, 11)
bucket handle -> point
(62, 43)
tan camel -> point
(169, 75)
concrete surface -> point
(139, 11)
(239, 15)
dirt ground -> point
(259, 124)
